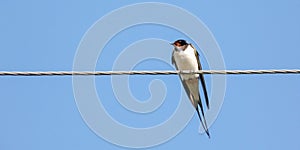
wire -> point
(97, 73)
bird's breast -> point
(186, 60)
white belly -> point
(186, 60)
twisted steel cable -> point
(159, 72)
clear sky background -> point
(259, 111)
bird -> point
(186, 57)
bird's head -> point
(180, 45)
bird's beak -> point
(171, 43)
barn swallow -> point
(186, 57)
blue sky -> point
(259, 111)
